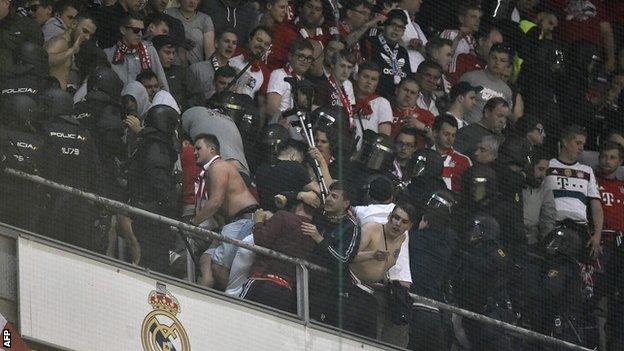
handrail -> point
(301, 272)
(185, 227)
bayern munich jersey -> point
(572, 186)
(612, 193)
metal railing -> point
(302, 265)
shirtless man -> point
(223, 192)
(380, 244)
(61, 49)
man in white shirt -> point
(279, 94)
(573, 186)
(413, 38)
(469, 16)
(429, 74)
(371, 110)
(257, 76)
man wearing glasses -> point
(40, 10)
(130, 56)
(65, 13)
(382, 47)
(279, 92)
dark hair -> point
(265, 29)
(436, 44)
(394, 15)
(485, 29)
(291, 144)
(146, 74)
(409, 209)
(571, 132)
(347, 192)
(352, 4)
(60, 6)
(209, 139)
(369, 66)
(527, 123)
(463, 9)
(444, 118)
(612, 145)
(225, 71)
(408, 131)
(125, 20)
(345, 54)
(411, 78)
(540, 153)
(502, 48)
(428, 64)
(494, 102)
(156, 19)
(227, 30)
(300, 45)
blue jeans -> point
(224, 253)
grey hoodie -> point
(200, 120)
(138, 92)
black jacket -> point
(240, 18)
(184, 86)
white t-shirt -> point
(431, 107)
(250, 82)
(572, 186)
(413, 31)
(382, 113)
(278, 85)
(378, 213)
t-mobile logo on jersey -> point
(562, 182)
(607, 199)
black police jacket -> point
(151, 183)
(70, 156)
(184, 86)
(430, 255)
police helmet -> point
(563, 241)
(425, 163)
(327, 116)
(162, 118)
(273, 134)
(479, 184)
(19, 110)
(56, 102)
(34, 57)
(482, 228)
(107, 81)
(441, 199)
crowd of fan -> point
(436, 148)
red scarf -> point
(248, 57)
(362, 106)
(139, 49)
(342, 95)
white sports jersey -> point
(572, 186)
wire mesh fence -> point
(464, 152)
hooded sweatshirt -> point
(240, 18)
(200, 120)
(138, 92)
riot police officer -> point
(152, 185)
(432, 245)
(554, 288)
(483, 267)
(30, 74)
(480, 284)
(70, 157)
(22, 149)
(101, 114)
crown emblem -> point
(164, 301)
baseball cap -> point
(163, 40)
(462, 88)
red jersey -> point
(190, 172)
(579, 20)
(455, 164)
(400, 115)
(284, 34)
(612, 194)
(466, 63)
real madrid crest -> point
(161, 330)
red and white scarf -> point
(139, 49)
